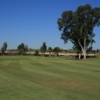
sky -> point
(35, 21)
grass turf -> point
(49, 78)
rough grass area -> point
(49, 78)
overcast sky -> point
(35, 21)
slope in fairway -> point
(44, 78)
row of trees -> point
(43, 49)
(22, 48)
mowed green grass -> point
(49, 78)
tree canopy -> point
(78, 26)
(4, 47)
(22, 48)
(43, 48)
(56, 50)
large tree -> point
(22, 48)
(4, 48)
(78, 26)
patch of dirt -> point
(66, 83)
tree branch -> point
(80, 44)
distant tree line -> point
(22, 48)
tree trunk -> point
(84, 53)
(83, 48)
(79, 56)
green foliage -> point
(56, 50)
(50, 49)
(31, 49)
(89, 49)
(36, 52)
(43, 48)
(22, 48)
(78, 26)
(4, 48)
